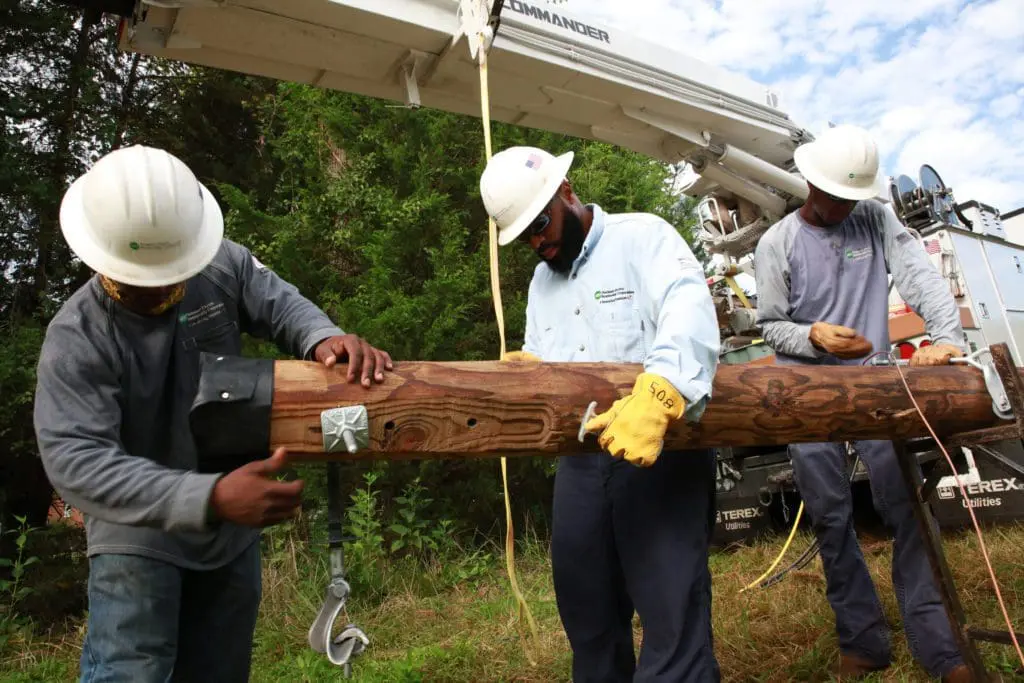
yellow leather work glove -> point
(634, 427)
(521, 356)
(935, 354)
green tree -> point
(372, 211)
(376, 216)
(67, 97)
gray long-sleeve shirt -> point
(838, 275)
(113, 395)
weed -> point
(13, 590)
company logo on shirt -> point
(202, 314)
(610, 296)
(857, 254)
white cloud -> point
(1006, 106)
(937, 81)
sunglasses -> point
(538, 224)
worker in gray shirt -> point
(174, 562)
(822, 290)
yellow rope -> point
(782, 553)
(737, 290)
(510, 548)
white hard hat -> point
(140, 217)
(517, 184)
(842, 161)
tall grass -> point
(439, 611)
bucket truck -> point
(559, 70)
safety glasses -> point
(538, 224)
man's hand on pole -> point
(840, 341)
(362, 358)
(935, 354)
(250, 496)
(634, 427)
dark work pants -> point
(626, 537)
(152, 622)
(822, 477)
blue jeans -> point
(822, 477)
(151, 621)
(625, 538)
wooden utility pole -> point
(491, 408)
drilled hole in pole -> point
(389, 425)
(471, 422)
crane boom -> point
(549, 69)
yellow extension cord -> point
(782, 553)
(499, 313)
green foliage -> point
(372, 211)
(67, 97)
(12, 580)
(19, 354)
(375, 214)
(406, 535)
(366, 552)
(415, 532)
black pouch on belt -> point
(230, 415)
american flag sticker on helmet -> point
(533, 161)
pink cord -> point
(970, 509)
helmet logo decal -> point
(135, 246)
(533, 161)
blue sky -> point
(936, 81)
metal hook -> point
(587, 416)
(350, 642)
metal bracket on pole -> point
(996, 390)
(348, 426)
(1000, 401)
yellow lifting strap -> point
(499, 313)
(737, 290)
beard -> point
(144, 300)
(569, 247)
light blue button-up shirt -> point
(635, 294)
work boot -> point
(852, 667)
(960, 674)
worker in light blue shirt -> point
(631, 526)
